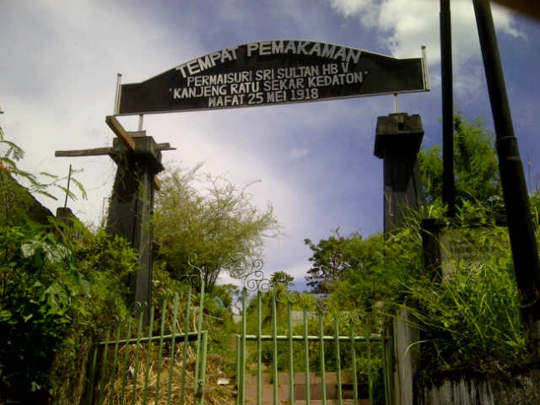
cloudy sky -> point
(313, 162)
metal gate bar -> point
(105, 372)
(290, 340)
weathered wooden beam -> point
(83, 152)
(101, 151)
(165, 146)
(120, 132)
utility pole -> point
(449, 187)
(516, 199)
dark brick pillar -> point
(130, 208)
(397, 142)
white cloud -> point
(405, 25)
(59, 83)
(58, 86)
(366, 10)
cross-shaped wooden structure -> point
(130, 209)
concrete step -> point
(266, 401)
(363, 401)
(283, 393)
(300, 378)
(316, 389)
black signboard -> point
(272, 72)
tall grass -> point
(470, 317)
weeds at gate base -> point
(150, 385)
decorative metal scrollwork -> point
(138, 309)
(293, 297)
(197, 277)
(284, 296)
(251, 275)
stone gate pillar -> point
(130, 208)
(397, 142)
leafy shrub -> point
(54, 286)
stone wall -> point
(518, 389)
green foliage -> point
(476, 170)
(36, 184)
(316, 318)
(332, 258)
(18, 206)
(50, 285)
(469, 316)
(53, 279)
(535, 208)
(340, 263)
(225, 294)
(209, 223)
(35, 305)
(471, 321)
(105, 261)
(217, 312)
(60, 287)
(281, 278)
(367, 269)
(469, 312)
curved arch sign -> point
(272, 72)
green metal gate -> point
(290, 348)
(137, 367)
(293, 349)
